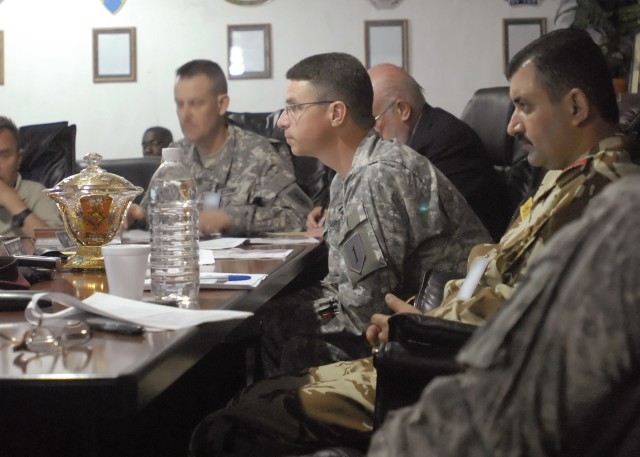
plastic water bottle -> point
(173, 225)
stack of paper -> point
(149, 315)
(216, 280)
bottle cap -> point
(173, 154)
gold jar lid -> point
(94, 178)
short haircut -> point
(7, 124)
(339, 76)
(208, 68)
(569, 58)
(164, 134)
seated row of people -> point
(568, 124)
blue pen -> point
(225, 276)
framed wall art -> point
(1, 57)
(114, 55)
(249, 51)
(386, 42)
(635, 67)
(517, 33)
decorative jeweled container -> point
(92, 204)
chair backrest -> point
(138, 171)
(49, 152)
(488, 113)
(312, 175)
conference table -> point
(136, 395)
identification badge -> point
(476, 270)
(209, 201)
(525, 209)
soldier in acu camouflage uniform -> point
(392, 217)
(245, 185)
(559, 117)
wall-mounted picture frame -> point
(635, 69)
(249, 51)
(387, 42)
(114, 55)
(519, 32)
(1, 57)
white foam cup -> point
(126, 265)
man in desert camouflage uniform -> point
(392, 216)
(244, 184)
(554, 373)
(558, 122)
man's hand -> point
(378, 331)
(134, 213)
(316, 218)
(213, 221)
(10, 199)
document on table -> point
(216, 280)
(286, 240)
(222, 243)
(149, 315)
(236, 253)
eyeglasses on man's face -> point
(388, 107)
(294, 112)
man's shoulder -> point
(396, 158)
(440, 135)
(244, 137)
(29, 187)
(183, 144)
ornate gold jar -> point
(92, 204)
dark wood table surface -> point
(120, 395)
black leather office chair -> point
(49, 152)
(312, 176)
(137, 171)
(488, 113)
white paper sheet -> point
(252, 253)
(209, 282)
(290, 240)
(222, 243)
(149, 315)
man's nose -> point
(514, 126)
(282, 122)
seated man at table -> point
(154, 140)
(333, 404)
(450, 144)
(393, 216)
(554, 371)
(23, 206)
(255, 185)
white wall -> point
(455, 47)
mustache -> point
(522, 139)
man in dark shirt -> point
(451, 145)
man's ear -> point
(338, 112)
(404, 109)
(223, 103)
(20, 156)
(579, 106)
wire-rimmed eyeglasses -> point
(44, 339)
(388, 107)
(48, 344)
(294, 111)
